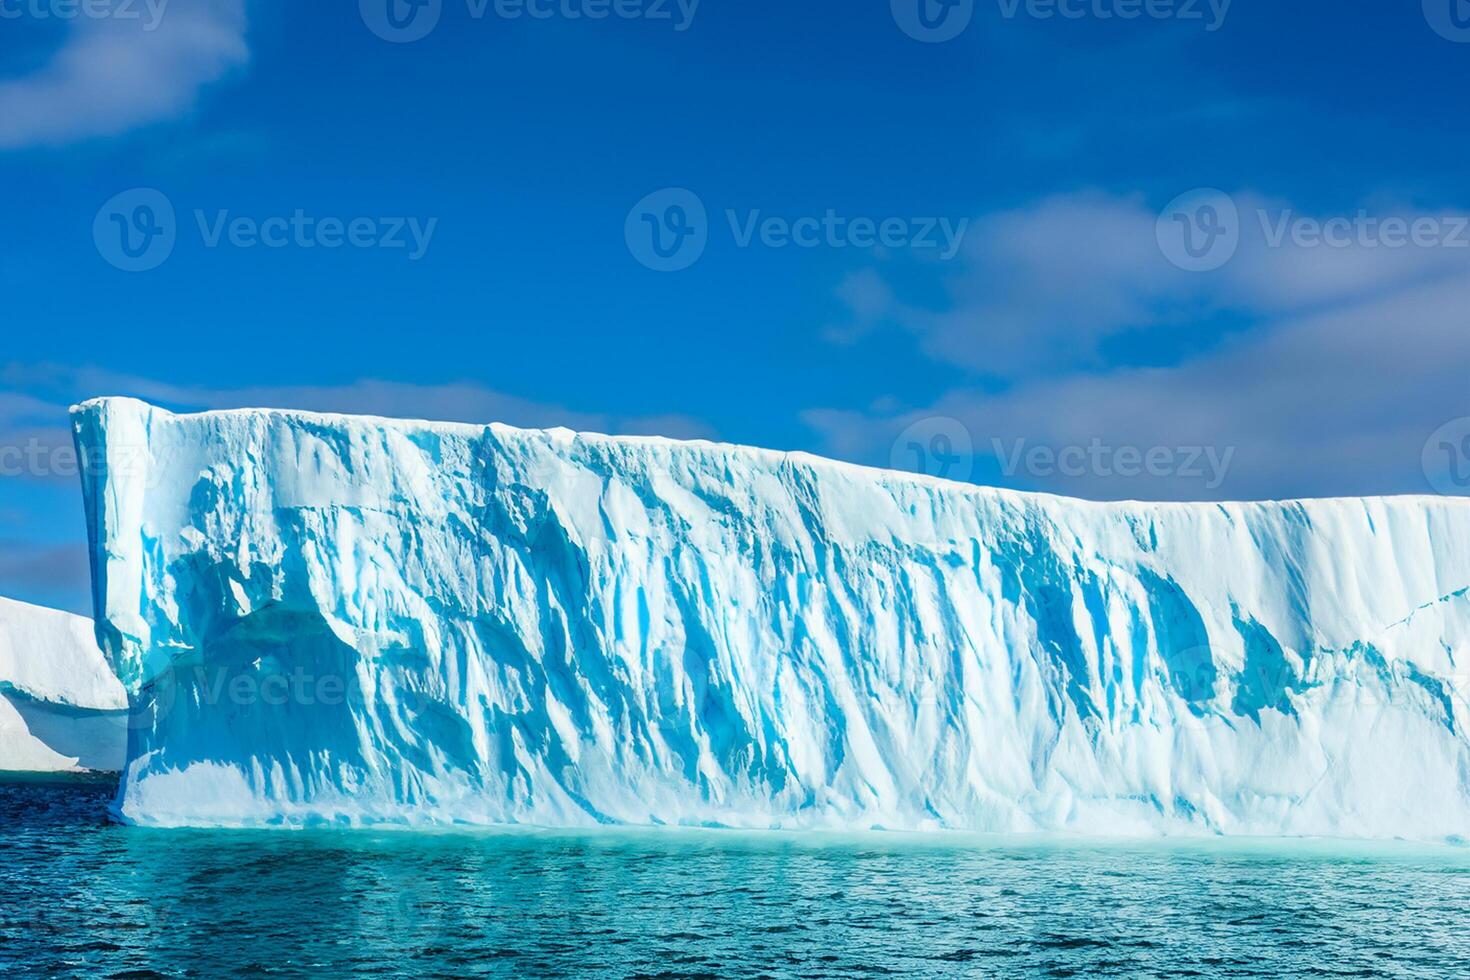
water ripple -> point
(80, 898)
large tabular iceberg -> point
(327, 619)
(61, 707)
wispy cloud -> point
(1043, 288)
(1348, 359)
(139, 63)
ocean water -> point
(81, 897)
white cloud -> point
(1040, 289)
(1352, 356)
(115, 73)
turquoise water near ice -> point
(81, 897)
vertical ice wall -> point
(352, 620)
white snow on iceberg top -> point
(50, 655)
(364, 621)
(61, 706)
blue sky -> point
(1024, 319)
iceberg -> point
(61, 707)
(325, 619)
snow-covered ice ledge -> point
(365, 621)
(61, 708)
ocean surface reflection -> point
(84, 898)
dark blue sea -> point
(81, 897)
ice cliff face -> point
(60, 705)
(350, 620)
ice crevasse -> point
(335, 620)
